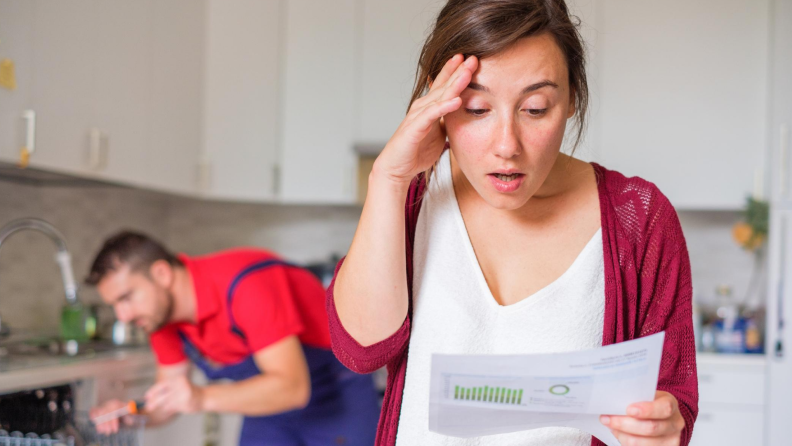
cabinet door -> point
(122, 96)
(16, 44)
(683, 98)
(148, 86)
(318, 161)
(241, 121)
(779, 331)
(780, 166)
(64, 45)
(391, 40)
(725, 425)
(175, 42)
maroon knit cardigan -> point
(647, 290)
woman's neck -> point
(566, 176)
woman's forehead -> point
(530, 60)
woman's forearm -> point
(370, 291)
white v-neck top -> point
(454, 312)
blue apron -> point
(343, 409)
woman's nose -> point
(507, 142)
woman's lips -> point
(506, 186)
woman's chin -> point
(505, 202)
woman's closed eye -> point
(476, 111)
(536, 111)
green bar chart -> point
(489, 394)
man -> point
(242, 315)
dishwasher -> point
(46, 417)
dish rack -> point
(81, 432)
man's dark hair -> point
(137, 250)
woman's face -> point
(507, 134)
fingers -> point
(157, 396)
(639, 427)
(451, 85)
(432, 112)
(110, 426)
(663, 407)
(447, 71)
(460, 80)
(626, 439)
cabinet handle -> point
(94, 149)
(276, 180)
(783, 153)
(779, 344)
(29, 116)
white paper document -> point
(476, 395)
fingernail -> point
(605, 420)
(633, 411)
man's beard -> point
(166, 315)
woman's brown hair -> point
(483, 28)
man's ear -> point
(161, 272)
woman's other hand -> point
(419, 141)
(656, 423)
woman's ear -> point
(572, 103)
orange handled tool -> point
(132, 408)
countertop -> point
(17, 374)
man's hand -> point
(110, 426)
(656, 423)
(175, 395)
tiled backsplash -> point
(30, 289)
(31, 293)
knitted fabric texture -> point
(647, 290)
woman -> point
(511, 245)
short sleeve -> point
(264, 309)
(167, 345)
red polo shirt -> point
(266, 305)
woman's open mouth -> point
(506, 182)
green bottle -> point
(73, 322)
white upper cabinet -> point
(16, 46)
(780, 165)
(116, 145)
(115, 87)
(683, 96)
(390, 44)
(242, 99)
(64, 84)
(146, 125)
(175, 43)
(319, 86)
(266, 100)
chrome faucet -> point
(63, 258)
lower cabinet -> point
(722, 425)
(731, 401)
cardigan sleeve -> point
(366, 359)
(356, 357)
(666, 305)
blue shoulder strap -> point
(256, 267)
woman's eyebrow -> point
(526, 90)
(538, 85)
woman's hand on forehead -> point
(420, 139)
